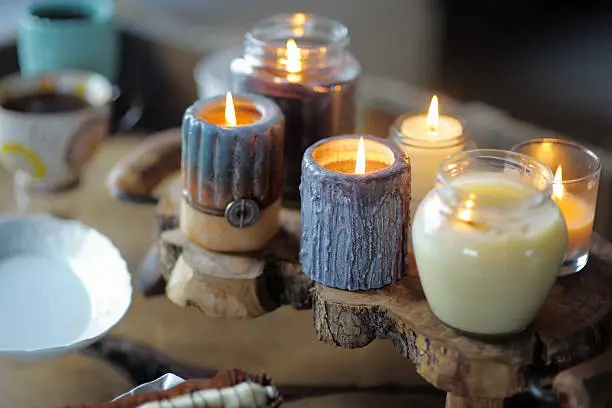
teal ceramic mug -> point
(69, 34)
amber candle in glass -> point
(576, 181)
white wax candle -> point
(416, 126)
(427, 146)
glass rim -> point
(588, 152)
(544, 171)
(338, 32)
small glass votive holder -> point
(577, 170)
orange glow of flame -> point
(230, 110)
(293, 62)
(465, 213)
(557, 186)
(297, 22)
(433, 116)
(360, 160)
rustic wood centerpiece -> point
(573, 326)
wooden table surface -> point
(283, 343)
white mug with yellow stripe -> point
(52, 146)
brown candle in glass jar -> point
(301, 62)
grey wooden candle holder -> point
(355, 228)
(226, 164)
(232, 175)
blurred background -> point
(542, 61)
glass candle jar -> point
(428, 138)
(575, 186)
(301, 62)
(489, 241)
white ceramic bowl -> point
(63, 285)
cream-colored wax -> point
(428, 149)
(490, 276)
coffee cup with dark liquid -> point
(51, 125)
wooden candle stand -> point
(236, 286)
(574, 325)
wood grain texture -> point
(138, 173)
(355, 228)
(586, 385)
(236, 286)
(453, 401)
(574, 325)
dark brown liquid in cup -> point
(45, 103)
(53, 13)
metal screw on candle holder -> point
(242, 213)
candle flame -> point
(433, 115)
(297, 22)
(465, 214)
(230, 110)
(557, 186)
(360, 160)
(292, 52)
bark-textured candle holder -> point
(232, 175)
(355, 228)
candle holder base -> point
(574, 265)
(244, 285)
(573, 326)
(215, 232)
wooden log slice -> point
(574, 325)
(236, 286)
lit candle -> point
(428, 139)
(293, 61)
(577, 170)
(301, 61)
(577, 214)
(355, 212)
(232, 163)
(228, 114)
(488, 242)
